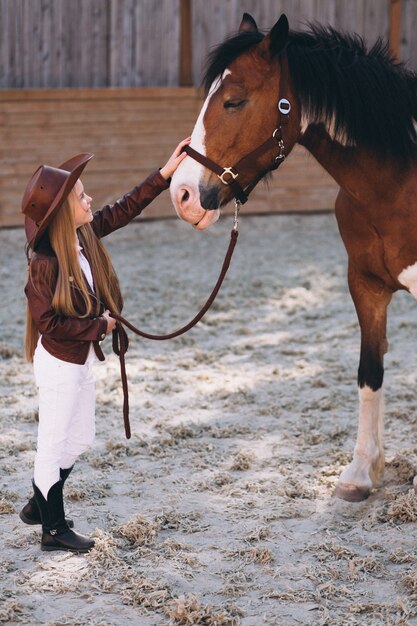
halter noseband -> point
(229, 175)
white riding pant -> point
(66, 414)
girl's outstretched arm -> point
(175, 159)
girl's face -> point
(81, 205)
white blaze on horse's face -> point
(185, 193)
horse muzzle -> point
(195, 201)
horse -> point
(355, 110)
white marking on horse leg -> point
(408, 278)
(368, 456)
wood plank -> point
(140, 134)
(56, 43)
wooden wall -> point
(134, 43)
(131, 131)
(88, 43)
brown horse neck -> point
(354, 169)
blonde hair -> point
(62, 238)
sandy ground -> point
(219, 510)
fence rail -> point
(131, 131)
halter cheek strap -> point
(229, 175)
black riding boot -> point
(30, 513)
(56, 534)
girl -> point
(71, 291)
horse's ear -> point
(278, 36)
(248, 24)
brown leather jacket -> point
(68, 338)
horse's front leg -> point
(371, 299)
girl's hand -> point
(111, 322)
(175, 159)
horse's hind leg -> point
(371, 299)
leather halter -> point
(229, 175)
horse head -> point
(244, 79)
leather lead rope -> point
(120, 339)
(228, 176)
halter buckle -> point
(227, 170)
(236, 216)
(284, 106)
(278, 138)
(281, 154)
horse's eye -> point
(234, 104)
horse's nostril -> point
(185, 196)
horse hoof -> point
(351, 493)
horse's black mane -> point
(363, 96)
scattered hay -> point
(402, 556)
(329, 590)
(138, 532)
(138, 591)
(215, 483)
(381, 612)
(104, 551)
(75, 494)
(404, 468)
(262, 556)
(324, 551)
(62, 573)
(188, 610)
(121, 449)
(259, 533)
(367, 564)
(6, 565)
(11, 495)
(290, 595)
(7, 351)
(102, 461)
(402, 510)
(91, 492)
(410, 583)
(221, 479)
(172, 546)
(176, 520)
(118, 448)
(227, 432)
(260, 487)
(12, 612)
(6, 507)
(180, 553)
(24, 541)
(11, 445)
(236, 583)
(295, 488)
(242, 461)
(30, 417)
(181, 432)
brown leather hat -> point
(45, 193)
